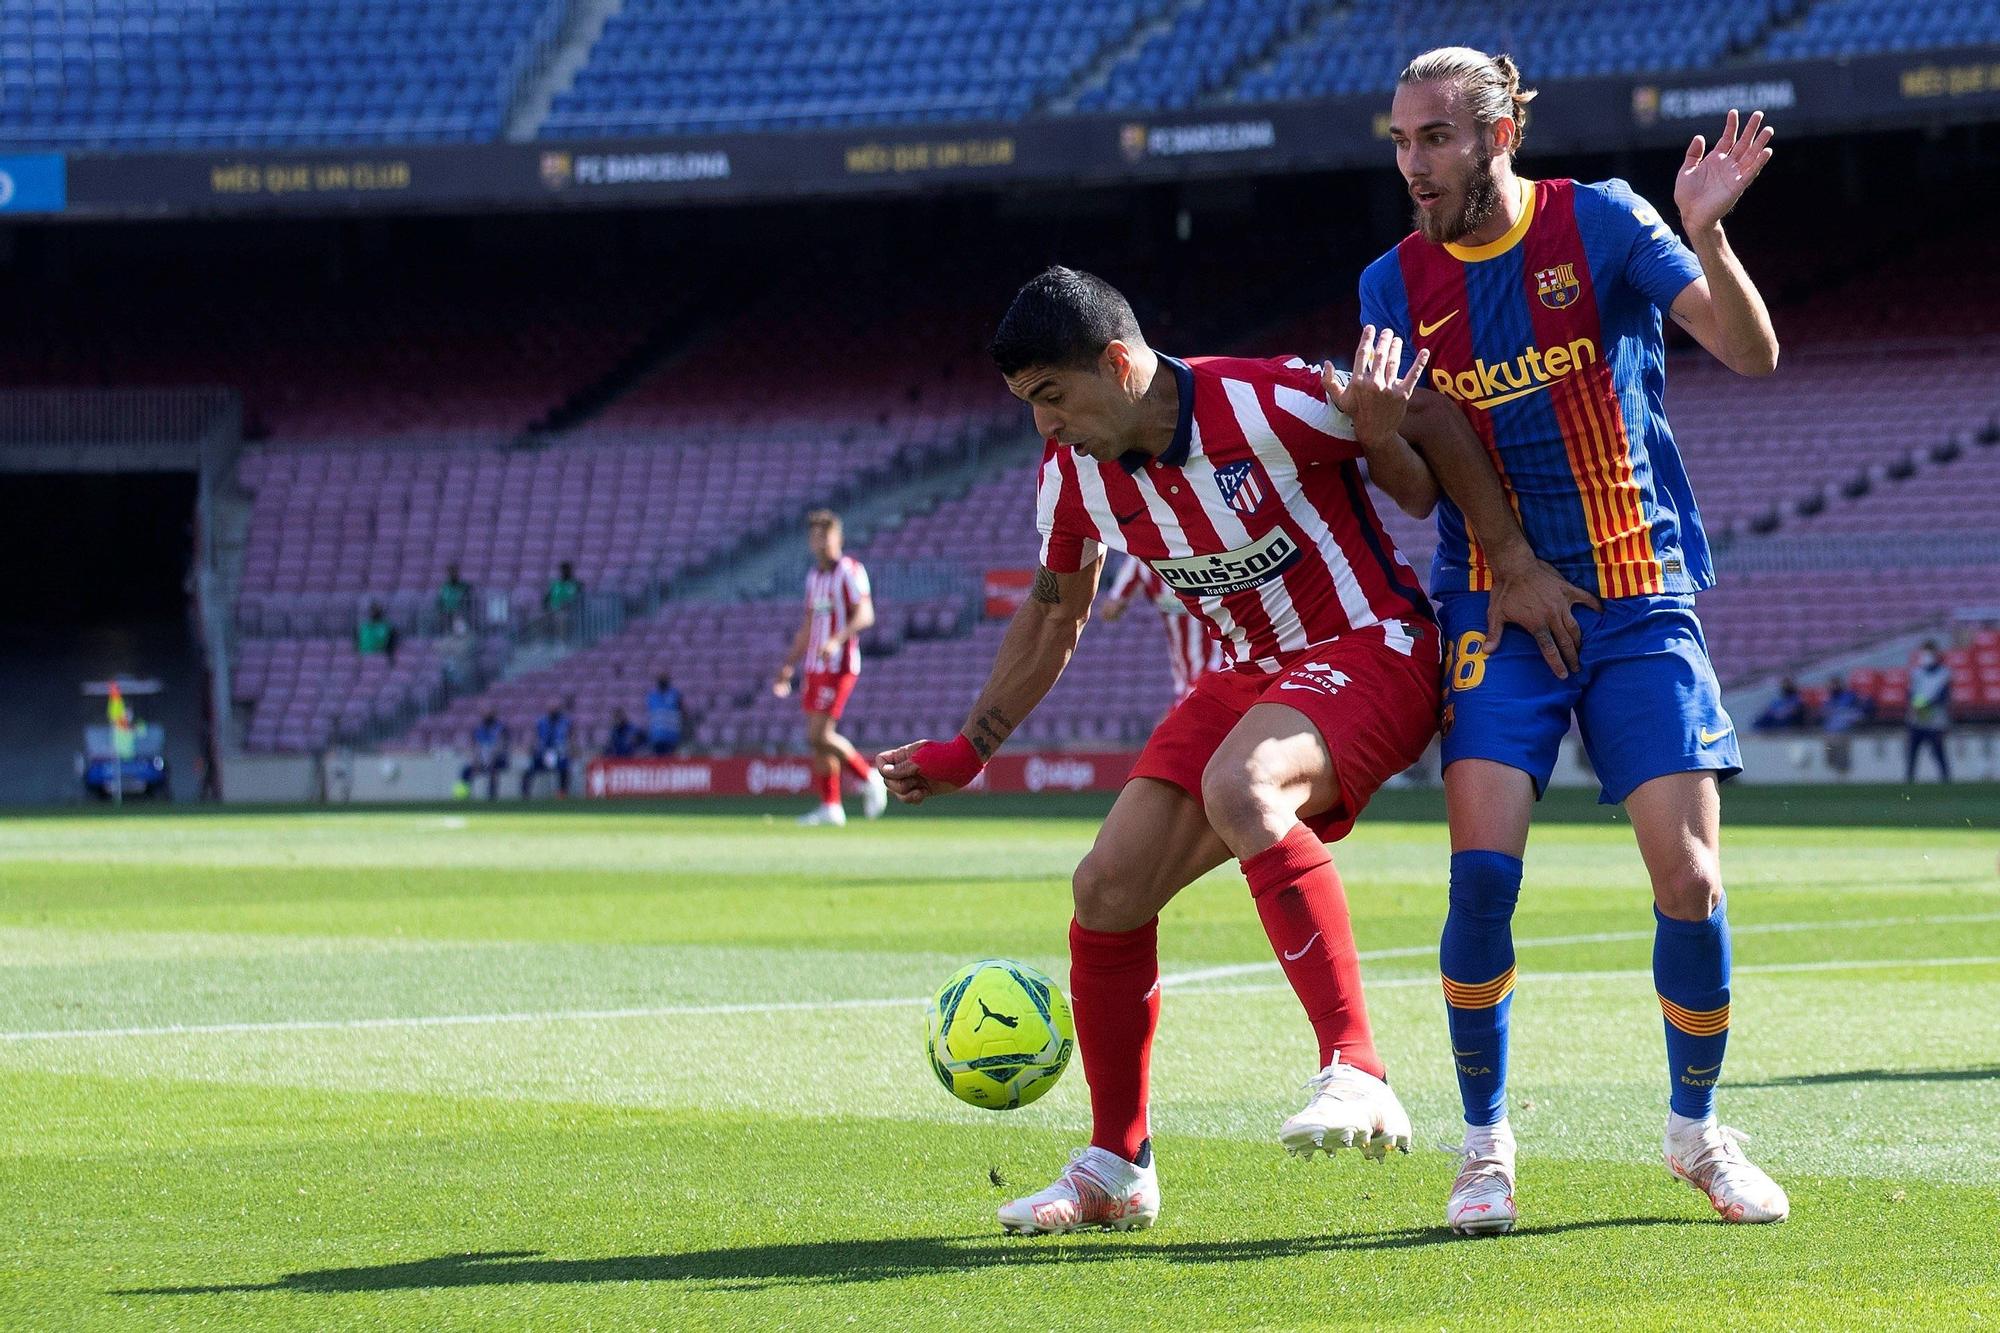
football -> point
(999, 1034)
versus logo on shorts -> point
(1244, 568)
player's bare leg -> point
(833, 753)
(1678, 821)
(1273, 769)
(826, 775)
(1489, 805)
(1153, 844)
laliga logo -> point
(765, 777)
(1069, 774)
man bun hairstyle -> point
(1061, 319)
(1488, 86)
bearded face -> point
(1455, 200)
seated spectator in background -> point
(664, 718)
(454, 602)
(623, 741)
(1845, 710)
(1930, 711)
(376, 634)
(1785, 712)
(565, 591)
(490, 742)
(551, 752)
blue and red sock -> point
(1691, 973)
(1476, 957)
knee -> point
(1691, 892)
(1485, 885)
(1109, 897)
(1243, 799)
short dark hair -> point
(1061, 318)
(822, 518)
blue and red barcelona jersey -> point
(1549, 339)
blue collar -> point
(1177, 452)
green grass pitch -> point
(586, 1068)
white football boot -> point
(1482, 1198)
(1350, 1108)
(1097, 1189)
(1709, 1157)
(874, 796)
(825, 816)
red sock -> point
(858, 767)
(1304, 911)
(1114, 986)
(829, 787)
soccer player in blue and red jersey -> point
(1539, 303)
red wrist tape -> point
(953, 761)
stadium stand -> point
(1361, 47)
(667, 65)
(303, 692)
(1842, 409)
(422, 358)
(1839, 28)
(1196, 53)
(164, 74)
(176, 74)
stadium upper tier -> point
(162, 74)
(142, 74)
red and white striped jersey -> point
(1190, 650)
(1256, 516)
(831, 597)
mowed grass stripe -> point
(1192, 983)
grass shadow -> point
(1875, 1076)
(833, 1262)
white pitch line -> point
(459, 1020)
(899, 1002)
(1627, 974)
(1603, 937)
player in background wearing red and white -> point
(839, 607)
(1237, 481)
(1190, 650)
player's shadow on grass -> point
(1875, 1076)
(831, 1262)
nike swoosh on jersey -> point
(1426, 330)
(1711, 737)
(1291, 957)
(1123, 519)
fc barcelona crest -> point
(1558, 286)
(1241, 490)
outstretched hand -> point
(1374, 397)
(1711, 183)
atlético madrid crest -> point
(1558, 286)
(1241, 490)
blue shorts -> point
(1646, 698)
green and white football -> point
(1000, 1034)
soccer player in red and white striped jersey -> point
(840, 604)
(1238, 482)
(1190, 651)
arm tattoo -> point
(1045, 589)
(992, 728)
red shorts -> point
(827, 691)
(1373, 696)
